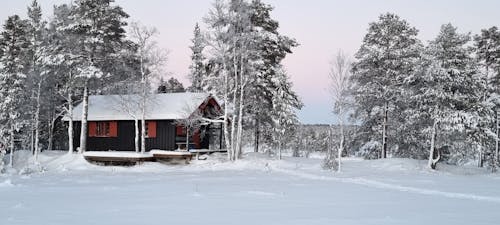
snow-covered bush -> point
(370, 150)
(330, 162)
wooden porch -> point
(128, 158)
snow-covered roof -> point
(169, 106)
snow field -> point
(255, 190)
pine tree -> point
(197, 67)
(387, 55)
(273, 48)
(283, 111)
(37, 74)
(98, 27)
(487, 46)
(445, 91)
(171, 86)
(13, 46)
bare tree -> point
(192, 121)
(151, 59)
(340, 73)
(131, 105)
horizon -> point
(323, 28)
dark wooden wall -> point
(165, 138)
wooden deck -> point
(128, 158)
(172, 156)
(117, 158)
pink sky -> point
(320, 26)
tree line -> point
(437, 101)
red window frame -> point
(103, 129)
(151, 129)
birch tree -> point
(245, 55)
(151, 61)
(219, 50)
(340, 75)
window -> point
(151, 129)
(180, 130)
(103, 129)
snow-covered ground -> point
(256, 190)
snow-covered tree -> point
(98, 27)
(13, 49)
(245, 56)
(487, 49)
(283, 111)
(63, 61)
(171, 86)
(445, 91)
(230, 42)
(387, 56)
(197, 67)
(272, 48)
(340, 77)
(37, 73)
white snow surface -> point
(117, 154)
(255, 190)
(164, 152)
(169, 106)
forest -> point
(397, 96)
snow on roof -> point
(169, 106)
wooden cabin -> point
(111, 121)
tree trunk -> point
(32, 139)
(70, 123)
(51, 132)
(226, 102)
(341, 147)
(495, 159)
(233, 134)
(136, 138)
(480, 158)
(433, 162)
(384, 132)
(279, 148)
(187, 138)
(240, 123)
(50, 140)
(85, 109)
(256, 134)
(143, 135)
(11, 147)
(37, 121)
